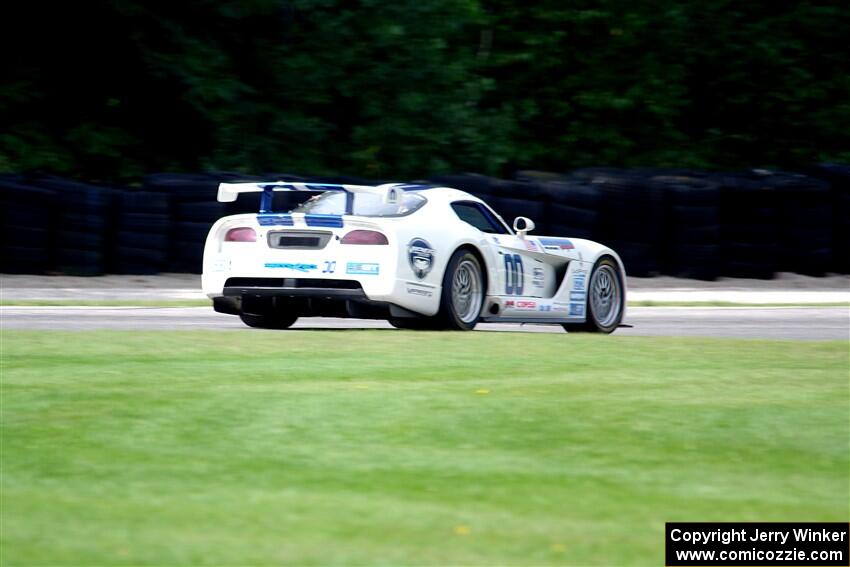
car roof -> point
(440, 193)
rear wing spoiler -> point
(390, 193)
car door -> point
(522, 271)
(526, 273)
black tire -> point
(194, 231)
(692, 235)
(640, 257)
(183, 187)
(26, 215)
(18, 235)
(268, 320)
(134, 268)
(574, 194)
(24, 259)
(509, 209)
(145, 202)
(75, 262)
(88, 222)
(692, 195)
(524, 190)
(470, 182)
(463, 276)
(134, 239)
(571, 231)
(687, 216)
(564, 215)
(144, 222)
(602, 322)
(202, 211)
(92, 240)
(267, 312)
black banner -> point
(770, 543)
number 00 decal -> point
(514, 275)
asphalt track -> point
(807, 323)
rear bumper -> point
(307, 302)
(301, 292)
(408, 296)
(294, 287)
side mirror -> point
(522, 225)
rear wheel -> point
(268, 320)
(266, 313)
(605, 299)
(463, 292)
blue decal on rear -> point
(275, 220)
(577, 309)
(362, 268)
(577, 296)
(296, 267)
(327, 221)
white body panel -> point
(529, 278)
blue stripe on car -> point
(324, 187)
(270, 186)
(275, 220)
(417, 187)
(327, 221)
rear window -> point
(365, 205)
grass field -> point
(391, 447)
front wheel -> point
(606, 299)
(463, 292)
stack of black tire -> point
(85, 226)
(513, 199)
(27, 215)
(676, 222)
(193, 210)
(509, 198)
(142, 236)
(838, 177)
(630, 216)
(749, 225)
(690, 243)
(804, 215)
(572, 208)
(479, 185)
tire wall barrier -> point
(683, 223)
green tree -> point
(111, 90)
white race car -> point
(419, 256)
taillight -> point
(241, 234)
(364, 237)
